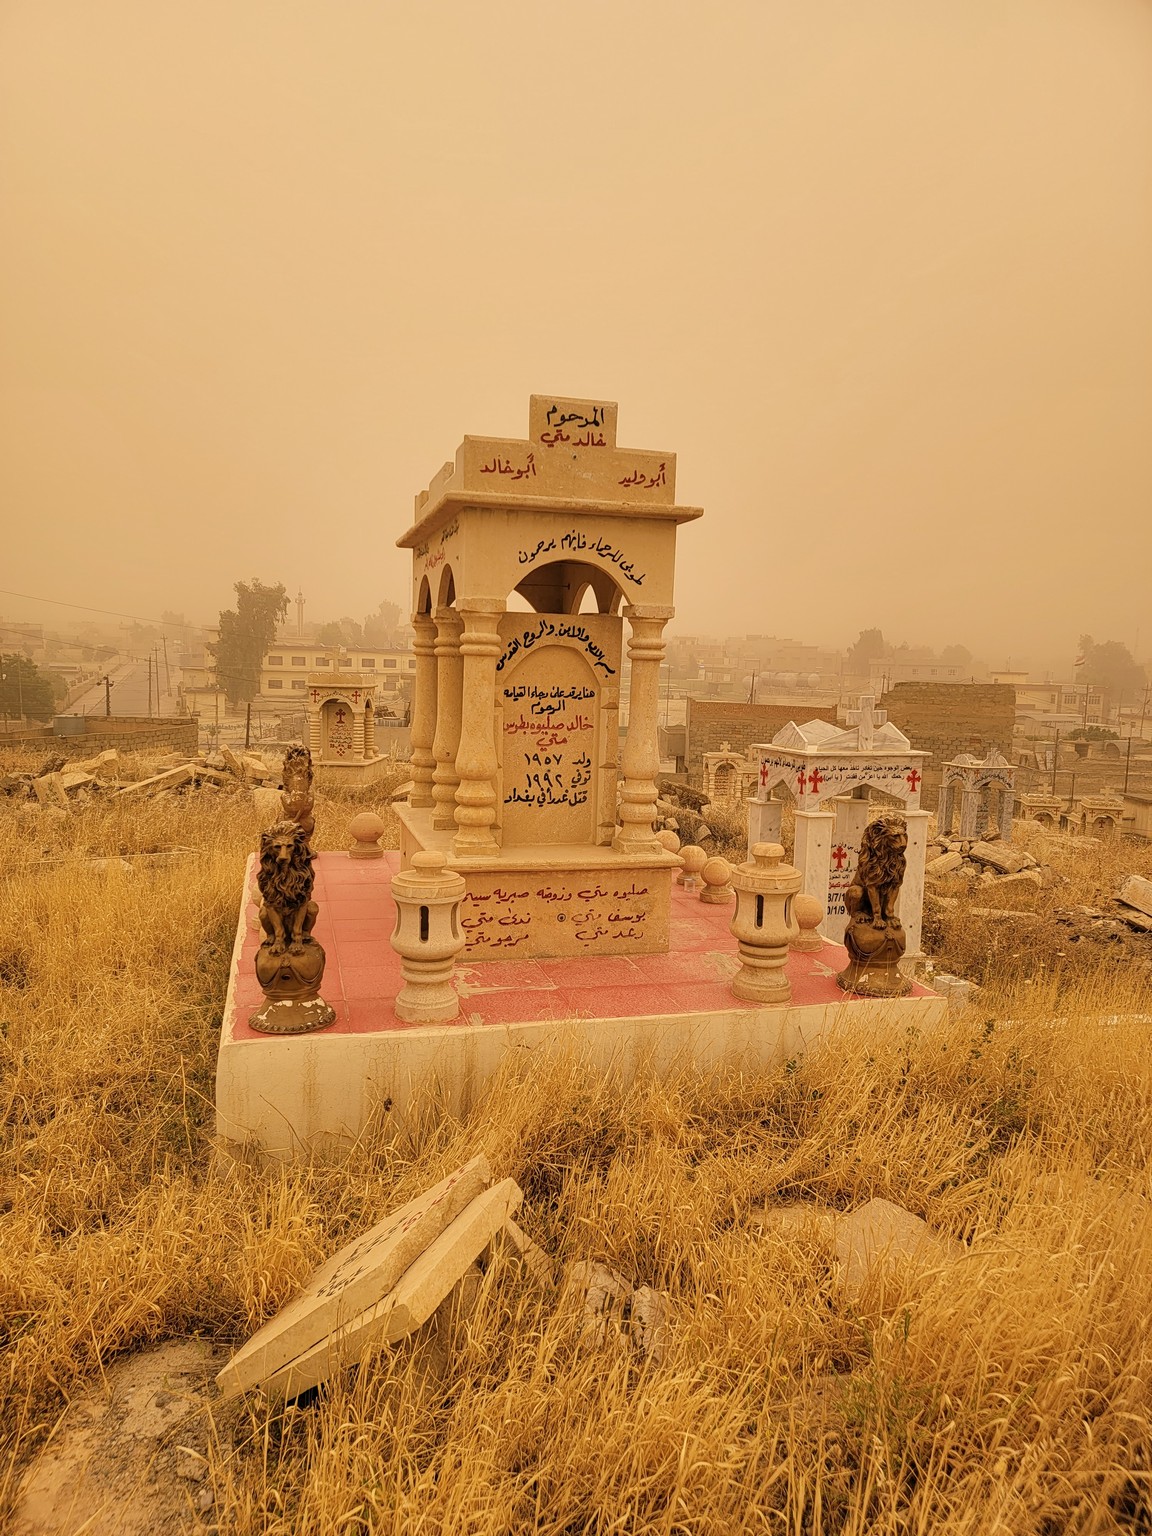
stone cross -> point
(867, 717)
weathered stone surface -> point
(171, 778)
(650, 1322)
(603, 1295)
(413, 1300)
(1025, 880)
(361, 1274)
(946, 864)
(126, 1451)
(533, 1257)
(879, 1233)
(1137, 892)
(1002, 857)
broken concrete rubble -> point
(1137, 892)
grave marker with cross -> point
(867, 718)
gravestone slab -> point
(1137, 892)
(413, 1300)
(357, 1277)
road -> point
(129, 693)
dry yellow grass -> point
(1009, 1393)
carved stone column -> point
(449, 679)
(370, 734)
(476, 759)
(316, 730)
(423, 723)
(641, 757)
(358, 734)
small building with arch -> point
(341, 712)
(529, 556)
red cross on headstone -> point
(340, 714)
(840, 856)
(763, 774)
(815, 779)
(913, 778)
(801, 780)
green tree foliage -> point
(329, 634)
(1111, 667)
(246, 632)
(24, 689)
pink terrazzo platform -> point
(362, 978)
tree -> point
(869, 646)
(1111, 667)
(25, 691)
(330, 634)
(380, 627)
(246, 632)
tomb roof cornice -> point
(454, 501)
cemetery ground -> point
(1000, 1381)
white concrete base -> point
(315, 1093)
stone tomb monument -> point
(515, 771)
(341, 708)
(987, 795)
(820, 762)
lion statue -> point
(874, 937)
(879, 871)
(296, 799)
(287, 911)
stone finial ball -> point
(808, 910)
(668, 840)
(693, 859)
(716, 871)
(717, 878)
(365, 830)
(430, 858)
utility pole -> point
(149, 685)
(1127, 763)
(248, 726)
(167, 670)
(1055, 758)
(107, 697)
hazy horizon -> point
(878, 275)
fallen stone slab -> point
(75, 780)
(416, 1296)
(881, 1233)
(356, 1278)
(49, 789)
(650, 1323)
(1023, 880)
(1137, 892)
(946, 864)
(602, 1294)
(1002, 857)
(530, 1254)
(171, 778)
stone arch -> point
(424, 597)
(446, 591)
(559, 586)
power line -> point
(112, 613)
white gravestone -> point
(357, 1277)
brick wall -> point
(176, 735)
(712, 722)
(945, 719)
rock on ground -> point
(127, 1456)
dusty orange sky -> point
(879, 272)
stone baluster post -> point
(944, 809)
(316, 731)
(764, 820)
(812, 849)
(449, 682)
(357, 733)
(640, 761)
(970, 812)
(369, 732)
(910, 902)
(477, 762)
(1007, 807)
(423, 721)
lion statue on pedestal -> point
(289, 962)
(875, 938)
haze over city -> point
(877, 274)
